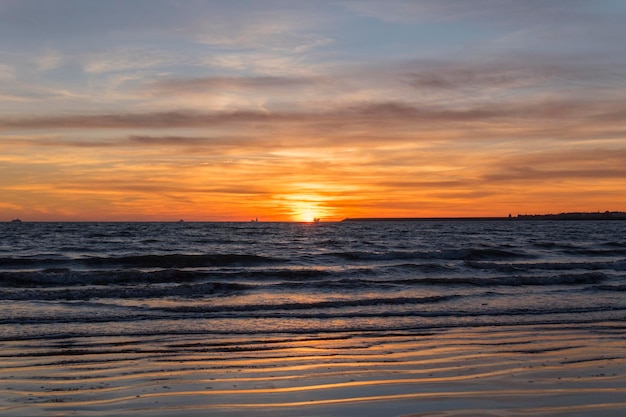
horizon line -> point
(606, 215)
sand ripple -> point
(491, 371)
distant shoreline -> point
(607, 215)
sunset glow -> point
(160, 110)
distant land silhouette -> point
(607, 215)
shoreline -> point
(532, 370)
(614, 215)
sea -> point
(222, 298)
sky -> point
(153, 110)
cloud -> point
(125, 59)
(167, 140)
(421, 185)
(246, 84)
(280, 36)
(372, 115)
(267, 26)
(195, 143)
(7, 72)
(523, 79)
(582, 164)
(152, 107)
(162, 144)
(360, 113)
(10, 206)
(51, 59)
(145, 120)
(502, 74)
(533, 175)
(157, 187)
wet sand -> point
(546, 370)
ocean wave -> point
(206, 279)
(125, 292)
(338, 284)
(291, 274)
(584, 278)
(519, 280)
(339, 311)
(57, 277)
(385, 277)
(33, 261)
(615, 244)
(424, 267)
(323, 314)
(616, 265)
(181, 260)
(596, 252)
(449, 254)
(63, 276)
(485, 254)
(464, 315)
(317, 305)
(145, 261)
(617, 288)
(553, 245)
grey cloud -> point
(373, 114)
(582, 71)
(193, 142)
(587, 163)
(153, 120)
(509, 75)
(143, 140)
(597, 156)
(168, 140)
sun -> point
(308, 215)
(307, 208)
(305, 212)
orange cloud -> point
(524, 154)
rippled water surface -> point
(118, 278)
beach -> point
(492, 371)
(332, 208)
(524, 328)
